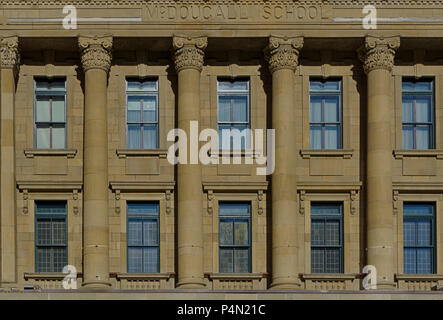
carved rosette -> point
(10, 56)
(189, 52)
(283, 52)
(378, 53)
(96, 52)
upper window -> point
(326, 238)
(50, 113)
(235, 237)
(142, 114)
(143, 237)
(51, 236)
(418, 238)
(418, 114)
(325, 119)
(233, 114)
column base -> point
(386, 285)
(96, 284)
(285, 284)
(191, 284)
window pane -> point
(134, 85)
(332, 232)
(135, 233)
(150, 137)
(332, 260)
(150, 260)
(317, 260)
(240, 112)
(317, 232)
(332, 113)
(418, 209)
(150, 109)
(315, 109)
(142, 208)
(424, 260)
(58, 109)
(408, 109)
(423, 86)
(315, 85)
(43, 109)
(423, 109)
(409, 260)
(423, 137)
(134, 137)
(332, 85)
(58, 137)
(150, 233)
(43, 260)
(235, 137)
(409, 238)
(234, 209)
(60, 259)
(134, 109)
(59, 231)
(233, 85)
(224, 109)
(408, 137)
(241, 233)
(226, 233)
(43, 137)
(424, 233)
(135, 259)
(315, 136)
(226, 261)
(332, 137)
(43, 231)
(241, 260)
(325, 209)
(407, 86)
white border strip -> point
(78, 19)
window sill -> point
(338, 153)
(433, 153)
(47, 276)
(145, 276)
(329, 276)
(123, 153)
(236, 276)
(419, 277)
(233, 153)
(31, 153)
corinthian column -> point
(9, 62)
(96, 61)
(377, 55)
(283, 55)
(188, 59)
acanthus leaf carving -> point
(283, 52)
(378, 53)
(96, 52)
(189, 52)
(9, 52)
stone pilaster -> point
(96, 61)
(282, 54)
(9, 63)
(377, 55)
(188, 58)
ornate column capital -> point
(283, 52)
(96, 52)
(9, 52)
(378, 53)
(189, 52)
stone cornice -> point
(9, 52)
(378, 53)
(189, 52)
(96, 52)
(283, 52)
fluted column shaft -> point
(96, 61)
(283, 60)
(9, 61)
(378, 58)
(188, 59)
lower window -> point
(51, 240)
(234, 237)
(326, 238)
(418, 238)
(143, 237)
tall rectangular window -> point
(326, 238)
(418, 238)
(233, 114)
(143, 237)
(325, 117)
(51, 236)
(418, 114)
(234, 237)
(142, 114)
(50, 113)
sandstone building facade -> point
(85, 114)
